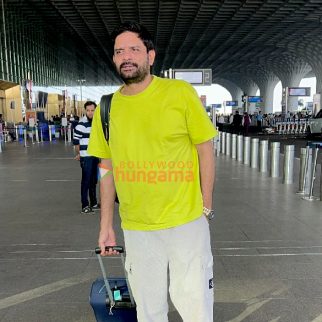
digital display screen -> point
(216, 105)
(299, 91)
(192, 77)
(254, 99)
(231, 103)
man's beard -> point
(137, 76)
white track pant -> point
(186, 251)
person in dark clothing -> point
(237, 122)
(88, 163)
(246, 123)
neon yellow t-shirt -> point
(152, 146)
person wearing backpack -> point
(159, 159)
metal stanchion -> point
(50, 134)
(223, 143)
(228, 143)
(316, 146)
(240, 148)
(288, 174)
(303, 165)
(275, 159)
(69, 133)
(41, 135)
(254, 153)
(53, 132)
(25, 137)
(32, 135)
(233, 146)
(316, 152)
(218, 144)
(37, 134)
(246, 150)
(308, 172)
(0, 142)
(263, 156)
(65, 133)
(16, 131)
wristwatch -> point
(209, 213)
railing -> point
(36, 134)
(255, 153)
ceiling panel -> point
(226, 36)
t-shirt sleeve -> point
(97, 145)
(77, 135)
(200, 127)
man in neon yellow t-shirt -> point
(162, 166)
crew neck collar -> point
(144, 92)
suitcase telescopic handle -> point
(119, 249)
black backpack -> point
(105, 106)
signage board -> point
(299, 91)
(193, 76)
(231, 103)
(255, 99)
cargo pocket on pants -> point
(207, 267)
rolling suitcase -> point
(111, 298)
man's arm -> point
(77, 137)
(77, 148)
(107, 192)
(207, 171)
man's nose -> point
(127, 55)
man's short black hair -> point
(88, 103)
(137, 28)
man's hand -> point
(107, 238)
(77, 150)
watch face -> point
(211, 215)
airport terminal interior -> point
(266, 235)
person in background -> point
(259, 119)
(237, 123)
(88, 163)
(246, 123)
(231, 118)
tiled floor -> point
(267, 243)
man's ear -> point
(151, 55)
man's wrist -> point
(209, 213)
